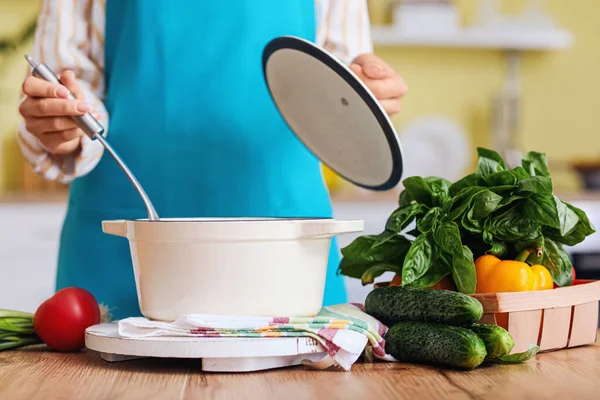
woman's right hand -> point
(47, 110)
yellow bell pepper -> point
(495, 275)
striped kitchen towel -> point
(344, 331)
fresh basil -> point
(417, 260)
(360, 255)
(536, 164)
(489, 162)
(537, 185)
(438, 270)
(462, 201)
(403, 216)
(383, 237)
(377, 270)
(520, 173)
(512, 225)
(463, 271)
(447, 237)
(405, 199)
(502, 178)
(494, 210)
(440, 188)
(583, 229)
(484, 203)
(549, 210)
(466, 182)
(419, 189)
(429, 221)
(558, 263)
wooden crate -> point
(552, 319)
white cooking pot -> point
(257, 267)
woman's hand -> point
(47, 111)
(385, 84)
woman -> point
(179, 88)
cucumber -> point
(392, 304)
(440, 345)
(498, 342)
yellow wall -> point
(561, 90)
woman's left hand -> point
(385, 84)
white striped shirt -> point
(70, 35)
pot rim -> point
(223, 220)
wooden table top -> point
(36, 373)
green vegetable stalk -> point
(495, 210)
(16, 330)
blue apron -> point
(191, 115)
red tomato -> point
(61, 320)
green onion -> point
(13, 344)
(15, 314)
(16, 330)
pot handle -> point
(335, 228)
(117, 227)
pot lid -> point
(333, 113)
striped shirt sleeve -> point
(343, 28)
(70, 35)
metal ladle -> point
(94, 130)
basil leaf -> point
(536, 184)
(438, 270)
(462, 201)
(383, 237)
(535, 241)
(419, 190)
(377, 270)
(536, 164)
(502, 178)
(583, 229)
(361, 249)
(484, 203)
(489, 162)
(549, 210)
(353, 268)
(417, 260)
(403, 216)
(467, 181)
(509, 200)
(440, 188)
(520, 173)
(442, 183)
(511, 225)
(558, 263)
(361, 254)
(473, 226)
(488, 237)
(429, 221)
(518, 358)
(447, 236)
(498, 249)
(405, 198)
(463, 271)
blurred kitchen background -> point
(515, 75)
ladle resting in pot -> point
(94, 130)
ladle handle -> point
(94, 130)
(86, 122)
